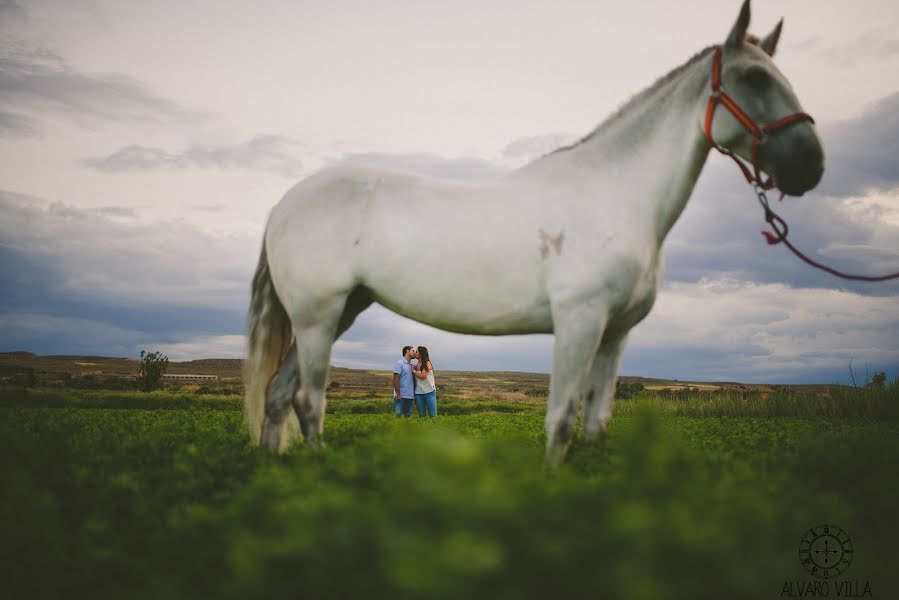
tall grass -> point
(839, 402)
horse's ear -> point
(769, 44)
(736, 35)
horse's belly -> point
(456, 304)
(463, 263)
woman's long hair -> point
(423, 359)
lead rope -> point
(780, 235)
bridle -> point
(754, 177)
(759, 134)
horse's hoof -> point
(555, 456)
(596, 435)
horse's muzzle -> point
(795, 159)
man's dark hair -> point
(405, 349)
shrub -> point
(625, 390)
(152, 367)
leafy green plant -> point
(158, 502)
(153, 366)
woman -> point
(425, 388)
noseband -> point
(759, 134)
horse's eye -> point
(756, 77)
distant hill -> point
(62, 368)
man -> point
(404, 384)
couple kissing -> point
(413, 384)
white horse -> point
(570, 244)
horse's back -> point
(334, 188)
(336, 191)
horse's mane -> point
(637, 98)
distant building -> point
(189, 376)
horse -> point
(569, 244)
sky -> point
(142, 145)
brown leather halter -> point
(759, 134)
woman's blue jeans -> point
(426, 404)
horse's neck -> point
(656, 143)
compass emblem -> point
(826, 551)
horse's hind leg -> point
(281, 391)
(601, 388)
(286, 381)
(313, 341)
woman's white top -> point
(424, 386)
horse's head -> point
(785, 144)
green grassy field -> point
(118, 494)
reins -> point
(753, 177)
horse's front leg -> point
(600, 387)
(578, 331)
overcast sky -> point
(142, 145)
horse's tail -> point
(268, 340)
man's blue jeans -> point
(403, 408)
(426, 404)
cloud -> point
(11, 11)
(861, 153)
(272, 153)
(100, 281)
(718, 236)
(108, 256)
(15, 125)
(204, 346)
(763, 332)
(51, 334)
(122, 212)
(282, 155)
(37, 81)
